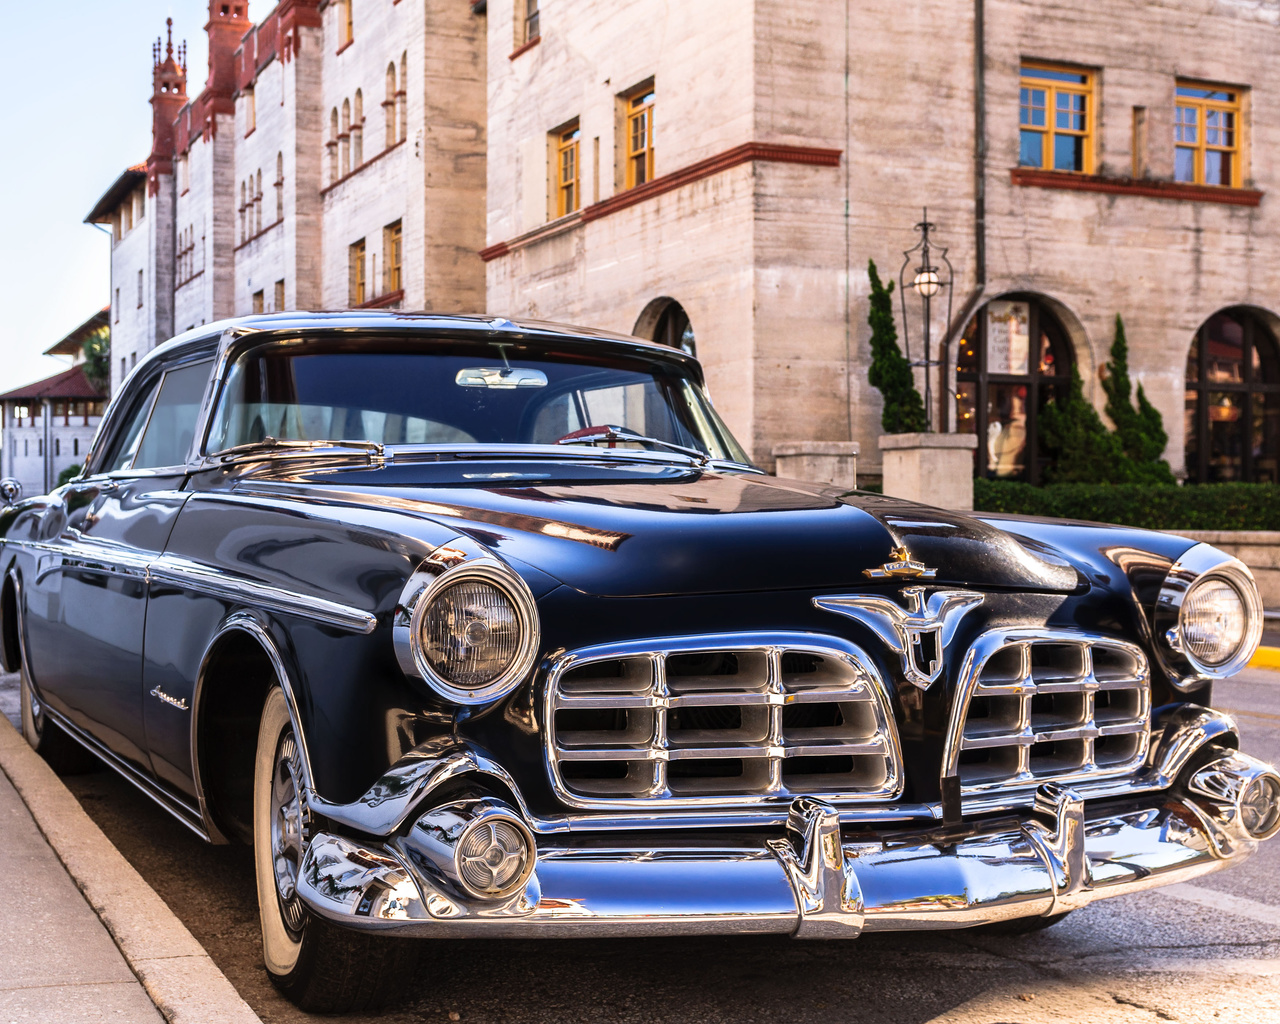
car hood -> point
(657, 529)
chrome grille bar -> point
(1034, 705)
(728, 720)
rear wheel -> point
(63, 754)
(319, 967)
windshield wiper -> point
(608, 432)
(274, 444)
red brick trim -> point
(746, 153)
(1035, 178)
(384, 300)
(525, 48)
(344, 46)
(354, 171)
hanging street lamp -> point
(932, 275)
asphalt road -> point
(1204, 952)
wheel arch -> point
(240, 664)
(10, 635)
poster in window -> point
(1008, 337)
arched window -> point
(1014, 357)
(1233, 400)
(279, 186)
(665, 321)
(402, 95)
(257, 203)
(332, 145)
(344, 139)
(244, 191)
(389, 105)
(357, 131)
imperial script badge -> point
(918, 634)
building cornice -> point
(749, 152)
(1031, 177)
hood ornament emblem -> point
(900, 566)
(918, 634)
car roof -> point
(397, 322)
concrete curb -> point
(179, 976)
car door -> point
(91, 577)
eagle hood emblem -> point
(919, 634)
(900, 566)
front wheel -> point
(63, 754)
(319, 967)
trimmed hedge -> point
(1150, 506)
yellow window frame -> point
(1050, 130)
(568, 165)
(639, 140)
(1203, 106)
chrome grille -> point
(1037, 705)
(720, 721)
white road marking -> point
(1225, 902)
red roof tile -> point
(70, 383)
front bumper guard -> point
(812, 881)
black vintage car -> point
(481, 628)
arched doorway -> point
(665, 321)
(1014, 357)
(1232, 413)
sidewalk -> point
(83, 937)
(57, 960)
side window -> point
(171, 427)
(131, 432)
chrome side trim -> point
(109, 557)
(191, 575)
(1200, 561)
(179, 808)
(119, 560)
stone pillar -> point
(819, 462)
(933, 469)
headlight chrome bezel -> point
(1201, 564)
(427, 583)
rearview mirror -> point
(501, 377)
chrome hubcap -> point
(289, 822)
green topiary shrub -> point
(890, 372)
(1080, 446)
(69, 474)
(1149, 506)
(1140, 431)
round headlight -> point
(1214, 621)
(470, 632)
(1207, 617)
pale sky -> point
(77, 77)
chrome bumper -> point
(812, 881)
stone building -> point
(334, 157)
(717, 176)
(721, 173)
(48, 426)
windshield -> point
(457, 393)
